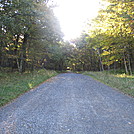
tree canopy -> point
(31, 38)
(109, 43)
(28, 27)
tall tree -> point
(26, 26)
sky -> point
(73, 15)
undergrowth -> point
(14, 84)
(118, 80)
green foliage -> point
(110, 41)
(59, 56)
(28, 28)
(14, 84)
(31, 38)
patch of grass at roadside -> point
(14, 84)
(122, 82)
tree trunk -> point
(114, 67)
(23, 55)
(1, 54)
(32, 64)
(129, 65)
(100, 59)
(132, 59)
(125, 64)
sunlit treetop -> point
(73, 15)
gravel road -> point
(69, 104)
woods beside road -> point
(33, 49)
(31, 39)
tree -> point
(112, 34)
(26, 26)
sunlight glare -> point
(73, 13)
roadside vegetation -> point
(31, 38)
(13, 84)
(118, 80)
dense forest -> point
(29, 32)
(31, 38)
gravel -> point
(69, 104)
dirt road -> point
(69, 104)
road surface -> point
(69, 104)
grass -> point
(120, 81)
(14, 84)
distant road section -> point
(69, 104)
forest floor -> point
(119, 81)
(69, 104)
(13, 84)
